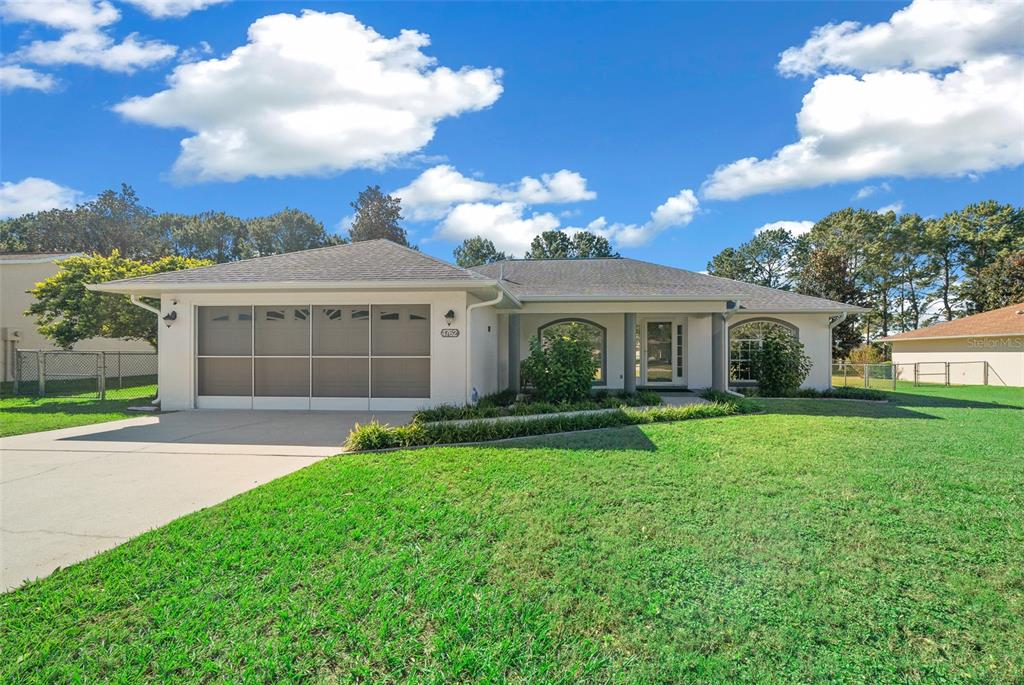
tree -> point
(550, 245)
(763, 260)
(476, 251)
(289, 230)
(376, 216)
(1001, 283)
(986, 230)
(67, 312)
(216, 236)
(779, 363)
(827, 274)
(731, 263)
(560, 245)
(587, 245)
(561, 367)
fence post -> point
(915, 373)
(41, 370)
(867, 370)
(120, 381)
(846, 372)
(893, 370)
(947, 373)
(17, 370)
(101, 368)
(984, 372)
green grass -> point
(815, 542)
(20, 415)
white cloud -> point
(505, 223)
(13, 77)
(926, 35)
(796, 228)
(85, 40)
(675, 212)
(434, 192)
(964, 118)
(34, 195)
(308, 94)
(894, 207)
(868, 191)
(162, 9)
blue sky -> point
(638, 103)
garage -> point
(306, 356)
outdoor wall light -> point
(450, 316)
(170, 318)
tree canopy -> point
(909, 270)
(376, 216)
(67, 312)
(562, 245)
(476, 251)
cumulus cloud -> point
(434, 192)
(13, 77)
(675, 212)
(961, 117)
(795, 228)
(86, 39)
(34, 195)
(894, 207)
(868, 191)
(505, 224)
(313, 93)
(162, 9)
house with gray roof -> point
(375, 325)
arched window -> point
(744, 338)
(595, 333)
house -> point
(983, 349)
(380, 326)
(20, 273)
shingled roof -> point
(366, 261)
(631, 279)
(1004, 321)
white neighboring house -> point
(18, 274)
(986, 348)
(374, 325)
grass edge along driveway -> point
(819, 541)
(21, 415)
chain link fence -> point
(78, 373)
(888, 376)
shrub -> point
(863, 354)
(561, 368)
(503, 398)
(779, 365)
(374, 435)
(450, 412)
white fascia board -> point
(152, 289)
(622, 298)
(834, 310)
(953, 337)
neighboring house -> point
(986, 348)
(380, 326)
(20, 273)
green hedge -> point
(833, 393)
(486, 409)
(375, 436)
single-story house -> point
(19, 273)
(983, 349)
(380, 326)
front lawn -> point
(816, 542)
(19, 415)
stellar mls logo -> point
(449, 332)
(1013, 343)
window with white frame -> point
(746, 337)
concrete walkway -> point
(66, 495)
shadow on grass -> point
(623, 438)
(901, 405)
(49, 405)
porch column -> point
(629, 353)
(719, 353)
(513, 352)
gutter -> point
(469, 337)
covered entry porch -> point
(677, 345)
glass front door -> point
(658, 346)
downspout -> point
(469, 338)
(149, 308)
(831, 345)
(725, 317)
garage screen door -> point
(321, 351)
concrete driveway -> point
(68, 494)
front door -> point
(658, 356)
